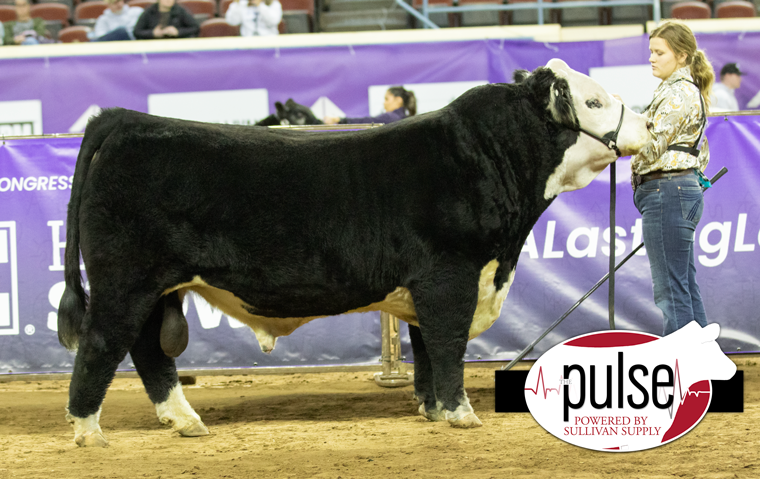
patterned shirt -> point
(676, 116)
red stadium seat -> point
(218, 27)
(735, 9)
(75, 34)
(223, 6)
(690, 11)
(56, 16)
(52, 12)
(7, 13)
(141, 3)
(202, 10)
(88, 12)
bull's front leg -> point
(445, 303)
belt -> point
(657, 175)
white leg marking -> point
(463, 416)
(433, 414)
(178, 413)
(490, 299)
(87, 431)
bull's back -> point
(273, 209)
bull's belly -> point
(398, 303)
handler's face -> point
(664, 61)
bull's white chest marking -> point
(490, 299)
(398, 303)
(581, 163)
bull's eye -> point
(593, 103)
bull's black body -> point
(303, 224)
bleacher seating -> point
(300, 16)
(690, 11)
(482, 18)
(87, 13)
(452, 19)
(141, 3)
(218, 27)
(202, 10)
(7, 13)
(77, 33)
(56, 16)
(735, 9)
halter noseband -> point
(610, 138)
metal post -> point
(394, 370)
(611, 295)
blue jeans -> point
(670, 209)
(118, 34)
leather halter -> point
(610, 138)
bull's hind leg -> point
(445, 305)
(159, 375)
(109, 329)
(424, 387)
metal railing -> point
(423, 15)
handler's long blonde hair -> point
(681, 40)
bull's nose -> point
(649, 125)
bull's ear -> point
(561, 104)
(280, 109)
(290, 103)
(519, 76)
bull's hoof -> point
(432, 414)
(194, 430)
(91, 439)
(467, 421)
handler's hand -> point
(171, 31)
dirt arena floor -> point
(341, 425)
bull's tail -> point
(74, 300)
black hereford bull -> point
(424, 218)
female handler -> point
(667, 173)
(399, 103)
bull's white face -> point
(598, 112)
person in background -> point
(166, 19)
(257, 18)
(399, 103)
(667, 173)
(723, 92)
(25, 30)
(116, 23)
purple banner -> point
(563, 258)
(62, 90)
(565, 255)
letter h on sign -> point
(8, 279)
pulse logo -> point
(624, 390)
(8, 279)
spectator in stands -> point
(399, 103)
(117, 22)
(166, 19)
(257, 18)
(723, 92)
(25, 30)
